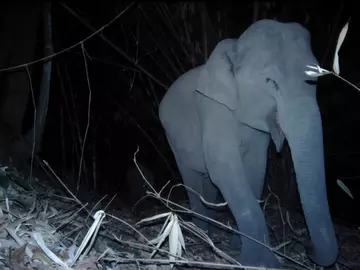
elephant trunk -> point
(301, 124)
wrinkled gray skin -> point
(220, 117)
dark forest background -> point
(128, 66)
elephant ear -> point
(216, 79)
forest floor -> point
(41, 230)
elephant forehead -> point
(275, 63)
(274, 33)
(270, 45)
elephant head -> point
(260, 78)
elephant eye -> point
(275, 85)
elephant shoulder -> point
(187, 81)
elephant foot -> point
(202, 224)
(235, 242)
(270, 262)
(205, 225)
(253, 254)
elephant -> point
(219, 118)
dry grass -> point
(48, 231)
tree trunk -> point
(35, 134)
(17, 47)
(20, 24)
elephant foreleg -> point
(201, 184)
(254, 155)
(226, 169)
(254, 146)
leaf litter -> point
(42, 230)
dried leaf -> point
(319, 71)
(336, 66)
(344, 188)
(176, 240)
